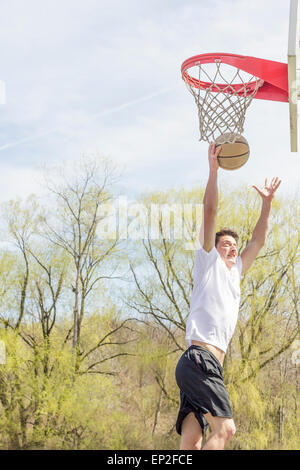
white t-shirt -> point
(215, 299)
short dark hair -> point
(226, 231)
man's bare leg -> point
(191, 433)
(223, 430)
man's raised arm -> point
(260, 231)
(210, 201)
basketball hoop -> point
(224, 85)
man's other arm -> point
(260, 231)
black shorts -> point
(199, 375)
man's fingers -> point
(212, 151)
(257, 189)
(277, 184)
(218, 150)
(211, 148)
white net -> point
(222, 94)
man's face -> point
(227, 248)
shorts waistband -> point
(201, 348)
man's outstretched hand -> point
(213, 157)
(268, 191)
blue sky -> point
(104, 77)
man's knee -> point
(198, 445)
(228, 431)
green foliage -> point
(116, 389)
(61, 410)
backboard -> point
(294, 70)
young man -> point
(212, 319)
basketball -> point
(233, 155)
